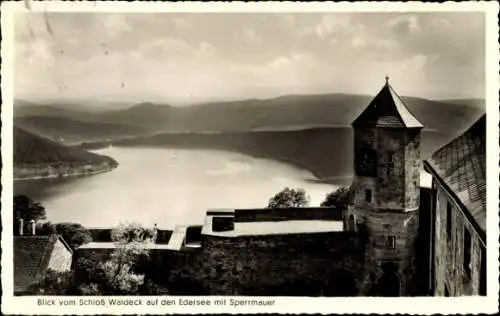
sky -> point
(184, 58)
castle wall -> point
(297, 264)
(451, 277)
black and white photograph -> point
(251, 155)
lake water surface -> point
(168, 187)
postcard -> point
(245, 157)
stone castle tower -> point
(386, 193)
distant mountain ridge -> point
(249, 115)
(70, 131)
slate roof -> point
(461, 164)
(387, 110)
(31, 259)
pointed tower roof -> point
(387, 110)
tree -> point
(45, 228)
(120, 274)
(131, 232)
(339, 198)
(74, 234)
(53, 283)
(27, 210)
(289, 198)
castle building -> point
(395, 238)
(458, 211)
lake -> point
(168, 187)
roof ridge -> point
(403, 103)
(393, 94)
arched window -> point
(352, 222)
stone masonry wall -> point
(319, 264)
(379, 226)
(413, 165)
(450, 274)
(364, 138)
(391, 176)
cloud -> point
(415, 63)
(358, 42)
(331, 25)
(385, 43)
(206, 49)
(162, 46)
(40, 50)
(182, 24)
(115, 24)
(278, 62)
(291, 60)
(167, 46)
(439, 24)
(407, 24)
(249, 35)
(289, 20)
(233, 55)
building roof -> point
(266, 228)
(31, 258)
(387, 110)
(276, 221)
(461, 165)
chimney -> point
(155, 233)
(33, 227)
(21, 227)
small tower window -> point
(352, 222)
(368, 195)
(390, 157)
(391, 242)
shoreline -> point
(320, 176)
(63, 175)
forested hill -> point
(38, 157)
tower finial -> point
(386, 79)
